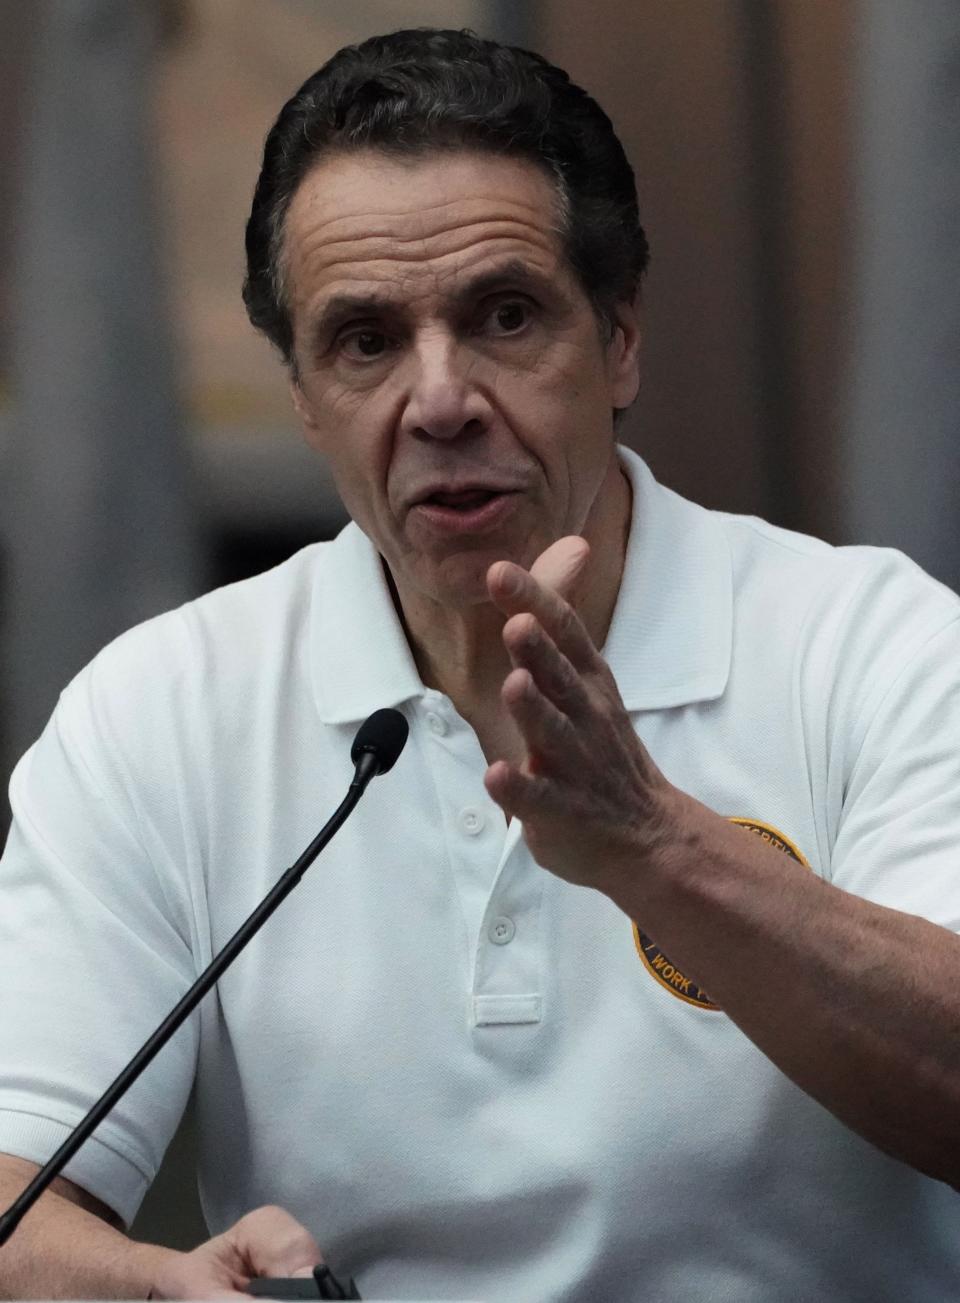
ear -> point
(301, 405)
(623, 354)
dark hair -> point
(413, 92)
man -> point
(637, 976)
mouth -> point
(461, 511)
(461, 499)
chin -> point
(459, 580)
(464, 585)
(456, 575)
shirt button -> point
(502, 931)
(436, 725)
(471, 821)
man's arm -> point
(68, 1246)
(857, 1003)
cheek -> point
(570, 385)
(353, 434)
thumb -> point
(562, 564)
(274, 1244)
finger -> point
(520, 795)
(548, 733)
(562, 564)
(531, 649)
(514, 590)
(275, 1244)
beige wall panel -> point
(666, 72)
(816, 49)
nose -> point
(444, 399)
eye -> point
(364, 345)
(509, 317)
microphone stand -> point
(375, 750)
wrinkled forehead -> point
(371, 215)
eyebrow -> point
(514, 274)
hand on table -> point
(266, 1242)
(592, 803)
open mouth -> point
(466, 511)
(466, 500)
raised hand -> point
(592, 803)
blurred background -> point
(798, 163)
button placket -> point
(468, 822)
(500, 901)
(507, 986)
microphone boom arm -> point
(369, 761)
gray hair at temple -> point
(416, 92)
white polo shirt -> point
(467, 1077)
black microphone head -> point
(383, 733)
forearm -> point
(856, 1003)
(60, 1250)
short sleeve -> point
(93, 956)
(898, 840)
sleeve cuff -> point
(99, 1168)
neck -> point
(459, 650)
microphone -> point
(378, 743)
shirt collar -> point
(669, 642)
(671, 637)
(360, 656)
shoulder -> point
(779, 569)
(792, 571)
(232, 621)
(174, 669)
(849, 621)
(731, 599)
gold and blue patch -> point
(662, 969)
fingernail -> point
(510, 582)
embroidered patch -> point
(773, 837)
(660, 967)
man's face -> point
(450, 366)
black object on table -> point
(322, 1284)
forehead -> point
(405, 222)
